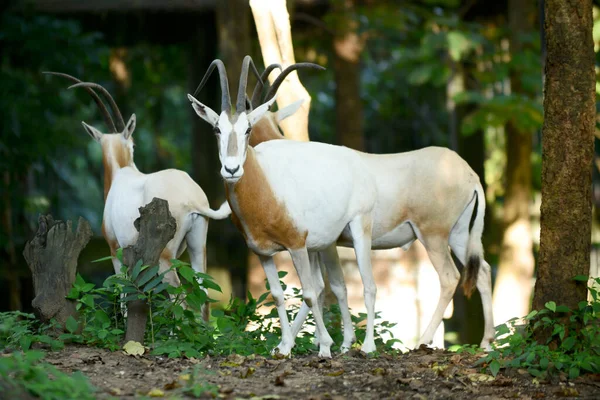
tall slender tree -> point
(347, 48)
(275, 36)
(567, 153)
(512, 292)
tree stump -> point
(52, 258)
(156, 226)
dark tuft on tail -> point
(470, 275)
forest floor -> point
(419, 374)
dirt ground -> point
(420, 374)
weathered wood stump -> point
(52, 258)
(156, 226)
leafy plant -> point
(20, 330)
(572, 345)
(23, 372)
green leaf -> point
(136, 270)
(103, 259)
(581, 278)
(149, 273)
(573, 372)
(153, 283)
(161, 287)
(210, 284)
(196, 300)
(73, 294)
(563, 309)
(551, 306)
(531, 315)
(102, 317)
(79, 281)
(120, 254)
(25, 342)
(458, 44)
(131, 297)
(88, 300)
(494, 367)
(568, 343)
(282, 274)
(187, 273)
(544, 362)
(71, 324)
(87, 287)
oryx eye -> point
(248, 130)
(217, 130)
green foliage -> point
(19, 331)
(572, 344)
(24, 372)
(175, 326)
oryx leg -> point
(196, 244)
(484, 285)
(329, 257)
(439, 255)
(287, 340)
(312, 286)
(361, 228)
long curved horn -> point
(105, 113)
(240, 105)
(225, 97)
(255, 102)
(111, 102)
(284, 74)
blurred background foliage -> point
(431, 73)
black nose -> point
(232, 171)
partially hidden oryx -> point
(126, 189)
(293, 196)
(430, 194)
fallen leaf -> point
(172, 385)
(185, 377)
(567, 392)
(246, 372)
(133, 348)
(336, 373)
(481, 378)
(115, 391)
(226, 390)
(379, 371)
(455, 359)
(156, 393)
(236, 358)
(228, 364)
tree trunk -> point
(347, 46)
(52, 257)
(567, 153)
(512, 292)
(275, 36)
(233, 27)
(156, 226)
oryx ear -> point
(130, 127)
(204, 112)
(260, 111)
(93, 132)
(288, 110)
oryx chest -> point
(125, 197)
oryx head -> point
(118, 144)
(233, 129)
